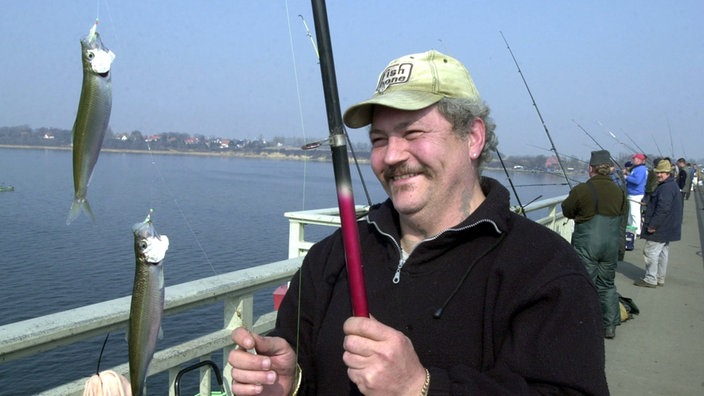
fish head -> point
(149, 246)
(96, 57)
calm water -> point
(220, 214)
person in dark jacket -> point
(598, 208)
(662, 225)
(465, 296)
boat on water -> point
(4, 188)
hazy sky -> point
(226, 68)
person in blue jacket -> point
(636, 179)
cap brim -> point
(360, 114)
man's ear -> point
(476, 137)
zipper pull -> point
(397, 275)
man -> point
(636, 179)
(598, 208)
(681, 174)
(465, 296)
(684, 177)
(662, 225)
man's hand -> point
(380, 359)
(270, 372)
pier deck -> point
(661, 351)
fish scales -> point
(92, 118)
(147, 305)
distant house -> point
(518, 167)
(48, 136)
(552, 163)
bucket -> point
(630, 237)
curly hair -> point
(460, 112)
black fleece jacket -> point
(496, 305)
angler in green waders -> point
(597, 207)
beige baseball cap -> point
(414, 82)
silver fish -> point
(92, 118)
(147, 306)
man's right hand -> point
(270, 371)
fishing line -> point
(300, 104)
(171, 195)
(305, 160)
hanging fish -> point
(92, 118)
(147, 307)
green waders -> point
(597, 243)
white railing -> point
(236, 289)
(298, 246)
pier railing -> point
(546, 212)
(236, 289)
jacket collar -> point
(494, 212)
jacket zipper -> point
(401, 262)
(397, 275)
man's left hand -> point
(380, 359)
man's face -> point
(422, 164)
(662, 176)
(636, 161)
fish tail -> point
(77, 206)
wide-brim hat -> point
(414, 82)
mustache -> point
(403, 169)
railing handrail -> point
(298, 246)
(32, 336)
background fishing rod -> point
(613, 135)
(599, 145)
(559, 161)
(338, 146)
(515, 193)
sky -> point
(247, 69)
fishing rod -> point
(656, 145)
(314, 145)
(310, 36)
(599, 145)
(629, 148)
(563, 154)
(635, 144)
(338, 146)
(672, 147)
(515, 193)
(559, 161)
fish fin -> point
(77, 206)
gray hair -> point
(460, 112)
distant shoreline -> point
(275, 155)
